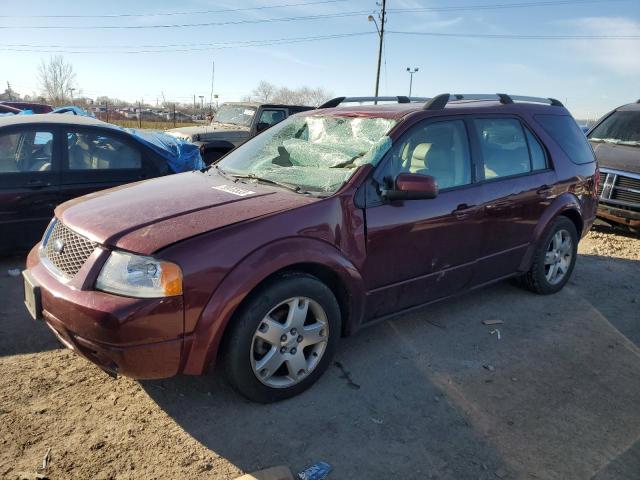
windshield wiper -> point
(252, 176)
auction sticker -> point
(241, 192)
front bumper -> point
(138, 338)
(630, 218)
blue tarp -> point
(73, 110)
(181, 156)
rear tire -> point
(554, 258)
(282, 339)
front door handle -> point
(464, 211)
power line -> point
(303, 17)
(293, 40)
(240, 44)
(521, 37)
(498, 6)
(166, 14)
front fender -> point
(202, 345)
(562, 203)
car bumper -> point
(623, 216)
(138, 338)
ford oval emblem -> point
(58, 245)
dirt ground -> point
(434, 394)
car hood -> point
(215, 131)
(618, 157)
(146, 216)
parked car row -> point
(48, 159)
(328, 221)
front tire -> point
(554, 258)
(282, 339)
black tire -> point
(238, 346)
(535, 279)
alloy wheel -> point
(289, 342)
(558, 257)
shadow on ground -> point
(19, 333)
(555, 396)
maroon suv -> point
(331, 220)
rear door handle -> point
(544, 191)
(464, 211)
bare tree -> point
(269, 93)
(264, 91)
(56, 77)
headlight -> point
(138, 276)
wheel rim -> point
(289, 342)
(558, 257)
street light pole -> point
(381, 35)
(411, 72)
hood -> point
(146, 216)
(215, 131)
(618, 157)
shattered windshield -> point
(313, 153)
(235, 115)
(621, 128)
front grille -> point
(625, 196)
(628, 182)
(619, 189)
(67, 251)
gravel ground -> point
(556, 397)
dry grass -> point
(152, 125)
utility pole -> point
(213, 71)
(411, 72)
(194, 103)
(9, 90)
(380, 29)
(71, 90)
(139, 114)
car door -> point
(422, 250)
(29, 183)
(95, 159)
(269, 117)
(517, 183)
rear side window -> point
(96, 151)
(504, 147)
(565, 131)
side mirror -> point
(411, 186)
(262, 126)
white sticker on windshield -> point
(241, 192)
(249, 113)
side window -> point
(97, 151)
(439, 149)
(565, 131)
(504, 148)
(538, 157)
(26, 151)
(271, 117)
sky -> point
(590, 75)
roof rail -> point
(334, 102)
(440, 101)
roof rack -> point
(440, 101)
(334, 102)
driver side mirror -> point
(262, 126)
(411, 186)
